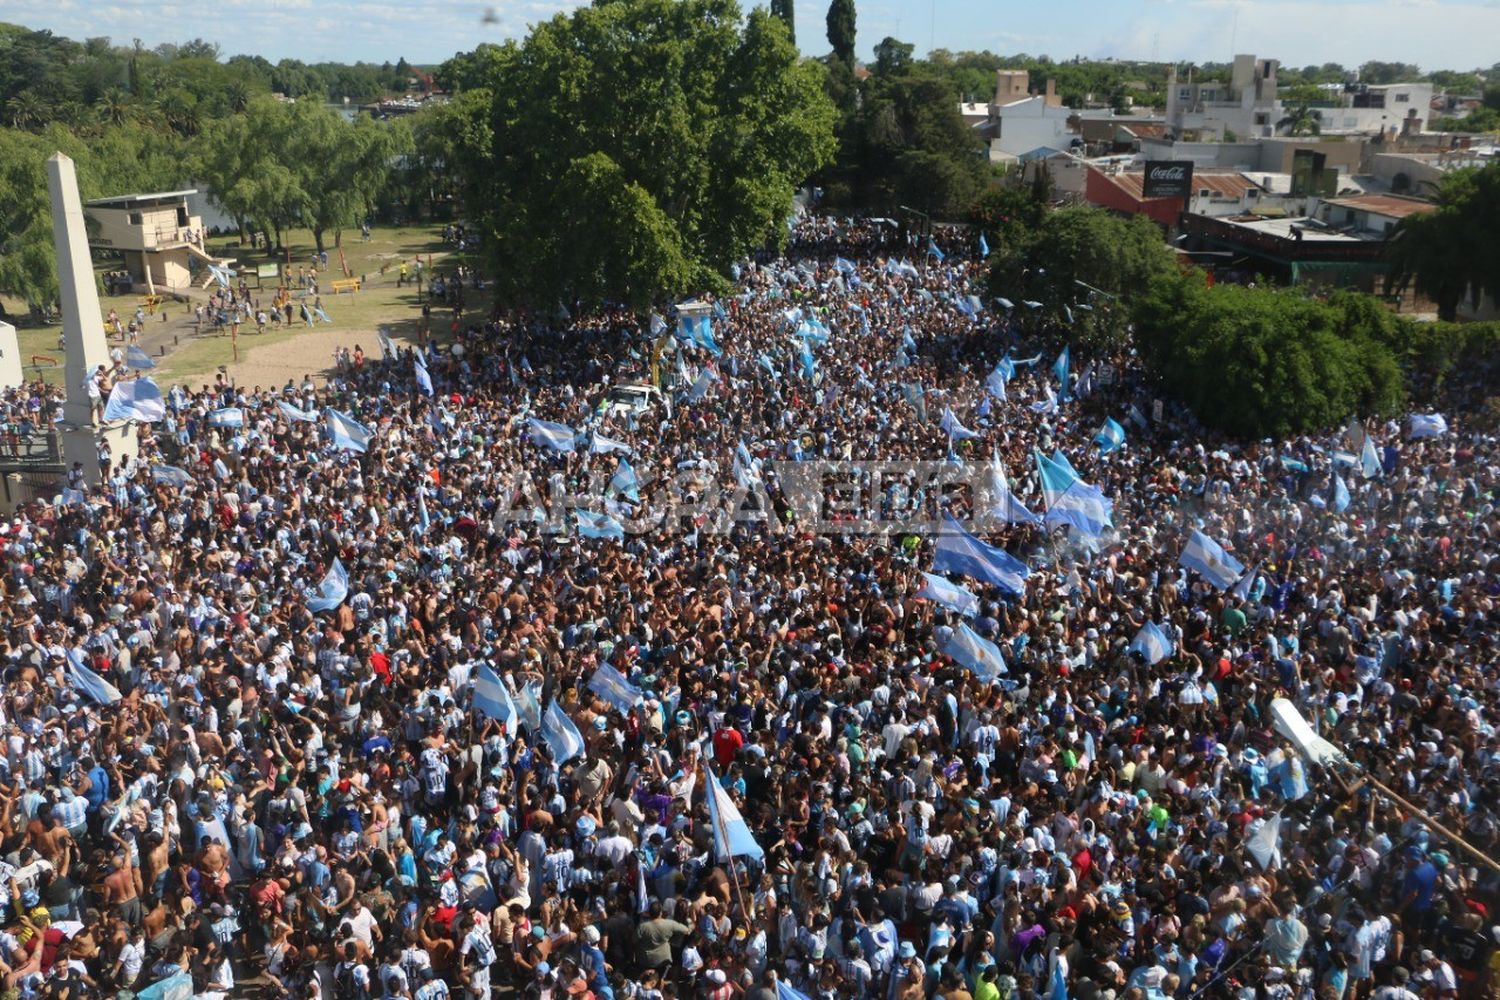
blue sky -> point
(1436, 34)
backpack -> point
(345, 985)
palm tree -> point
(1301, 119)
(115, 107)
(25, 110)
(1448, 254)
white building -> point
(1018, 122)
(1245, 108)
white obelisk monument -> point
(83, 327)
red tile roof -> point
(1392, 206)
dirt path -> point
(307, 353)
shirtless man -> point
(122, 889)
(213, 863)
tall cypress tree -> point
(783, 10)
(841, 30)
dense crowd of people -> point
(253, 727)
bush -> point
(1257, 362)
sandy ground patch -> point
(310, 353)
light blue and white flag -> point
(1060, 369)
(1008, 506)
(1138, 418)
(1004, 303)
(1340, 494)
(592, 525)
(492, 698)
(814, 332)
(1428, 425)
(137, 358)
(933, 251)
(1369, 460)
(700, 387)
(732, 836)
(529, 704)
(227, 417)
(954, 429)
(809, 364)
(916, 396)
(170, 475)
(419, 369)
(424, 520)
(657, 324)
(784, 991)
(957, 551)
(984, 246)
(995, 384)
(387, 346)
(296, 412)
(1152, 643)
(560, 734)
(611, 685)
(1048, 402)
(136, 399)
(953, 596)
(625, 482)
(1111, 436)
(1055, 476)
(601, 445)
(332, 590)
(558, 437)
(1208, 559)
(844, 266)
(1241, 589)
(347, 433)
(1083, 507)
(99, 690)
(970, 649)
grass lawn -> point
(379, 305)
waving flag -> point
(1083, 507)
(1428, 425)
(333, 589)
(99, 690)
(933, 251)
(348, 434)
(953, 596)
(916, 396)
(1340, 494)
(1056, 477)
(953, 428)
(1152, 643)
(137, 358)
(170, 475)
(424, 520)
(419, 369)
(387, 346)
(529, 704)
(994, 383)
(558, 437)
(1265, 845)
(136, 399)
(228, 416)
(732, 837)
(968, 648)
(786, 992)
(1007, 506)
(611, 685)
(625, 482)
(700, 387)
(957, 551)
(560, 734)
(844, 266)
(809, 364)
(1048, 402)
(296, 412)
(1208, 559)
(592, 525)
(1138, 418)
(1369, 460)
(1241, 589)
(601, 445)
(1111, 436)
(493, 699)
(984, 246)
(1060, 369)
(657, 324)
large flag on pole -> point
(611, 685)
(732, 837)
(972, 650)
(1055, 476)
(136, 399)
(348, 433)
(1082, 507)
(957, 551)
(560, 735)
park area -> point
(287, 352)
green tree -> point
(841, 16)
(783, 10)
(1452, 253)
(1256, 362)
(1074, 255)
(712, 122)
(1300, 119)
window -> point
(1184, 93)
(1210, 95)
(1261, 118)
(1403, 98)
(134, 218)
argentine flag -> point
(953, 596)
(296, 412)
(136, 399)
(99, 690)
(137, 358)
(348, 434)
(560, 734)
(558, 437)
(611, 685)
(591, 525)
(1111, 436)
(1152, 643)
(1083, 507)
(1060, 369)
(1369, 460)
(1056, 476)
(953, 428)
(332, 590)
(970, 649)
(492, 698)
(1208, 559)
(1340, 494)
(957, 551)
(732, 836)
(1429, 425)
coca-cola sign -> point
(1168, 179)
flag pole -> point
(723, 831)
(1427, 818)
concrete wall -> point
(1229, 155)
(1276, 154)
(11, 374)
(113, 227)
